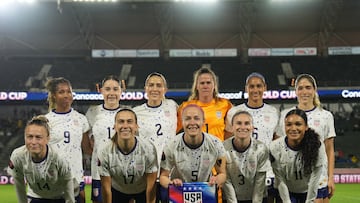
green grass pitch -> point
(344, 193)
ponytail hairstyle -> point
(110, 77)
(312, 80)
(40, 120)
(52, 86)
(309, 145)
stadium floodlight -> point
(205, 1)
(26, 1)
(94, 0)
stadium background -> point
(73, 39)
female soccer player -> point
(127, 163)
(265, 119)
(68, 128)
(205, 93)
(298, 160)
(322, 121)
(47, 173)
(247, 162)
(158, 116)
(101, 118)
(191, 155)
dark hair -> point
(257, 75)
(110, 77)
(309, 145)
(114, 138)
(40, 120)
(51, 86)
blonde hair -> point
(311, 79)
(51, 86)
(40, 120)
(156, 74)
(194, 92)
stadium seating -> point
(331, 71)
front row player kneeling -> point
(191, 155)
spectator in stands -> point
(68, 128)
(322, 122)
(205, 93)
(265, 119)
(127, 163)
(102, 119)
(298, 160)
(47, 173)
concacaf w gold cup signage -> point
(196, 192)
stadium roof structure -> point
(64, 28)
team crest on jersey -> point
(252, 164)
(96, 192)
(218, 114)
(267, 118)
(51, 173)
(11, 165)
(139, 166)
(76, 122)
(316, 123)
(206, 160)
(192, 197)
(167, 113)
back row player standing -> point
(102, 120)
(157, 117)
(322, 122)
(265, 119)
(68, 128)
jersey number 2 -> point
(158, 132)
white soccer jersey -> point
(66, 132)
(242, 168)
(157, 124)
(128, 171)
(320, 120)
(192, 165)
(288, 168)
(265, 120)
(47, 179)
(102, 123)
